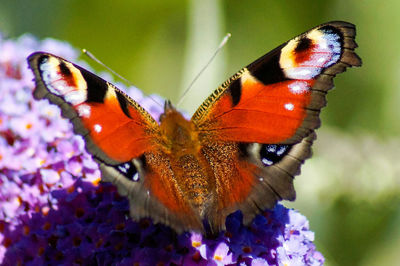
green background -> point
(350, 189)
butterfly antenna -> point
(91, 56)
(222, 44)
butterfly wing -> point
(277, 98)
(101, 113)
(267, 114)
(123, 138)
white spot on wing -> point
(75, 97)
(298, 87)
(321, 59)
(97, 128)
(323, 45)
(124, 168)
(289, 106)
(302, 72)
(266, 161)
(271, 148)
(135, 177)
(281, 150)
(84, 110)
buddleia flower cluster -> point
(54, 209)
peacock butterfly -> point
(239, 151)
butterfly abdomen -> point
(195, 181)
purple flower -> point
(53, 210)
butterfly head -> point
(169, 110)
(168, 106)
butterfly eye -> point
(273, 153)
(162, 116)
(268, 154)
(128, 170)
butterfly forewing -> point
(277, 98)
(100, 112)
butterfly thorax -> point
(191, 170)
(179, 134)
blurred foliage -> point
(350, 191)
(351, 197)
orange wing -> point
(99, 111)
(277, 99)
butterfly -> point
(240, 150)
